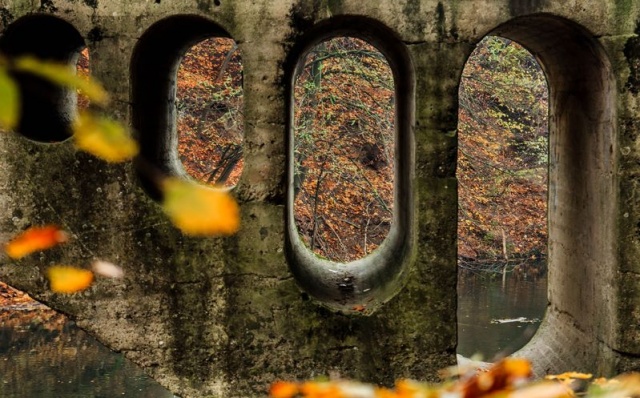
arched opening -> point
(47, 109)
(343, 139)
(582, 198)
(154, 71)
(209, 99)
(502, 199)
(372, 279)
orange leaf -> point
(407, 388)
(35, 239)
(503, 375)
(283, 389)
(321, 390)
(64, 279)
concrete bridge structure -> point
(224, 317)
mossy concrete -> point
(224, 317)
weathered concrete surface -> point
(225, 317)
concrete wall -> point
(225, 317)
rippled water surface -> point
(496, 319)
(42, 354)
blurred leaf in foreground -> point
(35, 239)
(570, 375)
(283, 389)
(65, 279)
(9, 101)
(507, 378)
(63, 75)
(104, 138)
(199, 210)
(623, 386)
(107, 269)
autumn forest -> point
(344, 146)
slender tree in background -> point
(209, 102)
(344, 112)
(502, 159)
(343, 149)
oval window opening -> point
(209, 102)
(502, 195)
(344, 144)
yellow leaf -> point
(569, 375)
(64, 75)
(9, 101)
(64, 279)
(34, 239)
(200, 210)
(104, 138)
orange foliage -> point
(344, 149)
(210, 120)
(283, 389)
(502, 157)
(510, 377)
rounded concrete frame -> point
(47, 110)
(582, 226)
(374, 279)
(154, 66)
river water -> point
(495, 318)
(43, 354)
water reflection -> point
(495, 320)
(42, 354)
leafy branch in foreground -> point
(194, 209)
(93, 133)
(510, 377)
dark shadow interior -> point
(582, 193)
(47, 110)
(154, 66)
